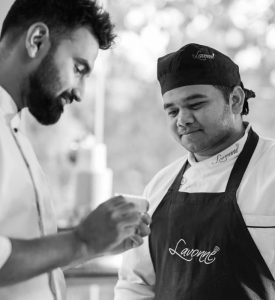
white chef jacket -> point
(25, 204)
(5, 250)
(255, 197)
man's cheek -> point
(174, 128)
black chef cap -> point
(198, 64)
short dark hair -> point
(62, 17)
(226, 91)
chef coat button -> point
(183, 181)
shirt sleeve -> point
(136, 276)
(5, 250)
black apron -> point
(201, 248)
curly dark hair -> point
(226, 91)
(61, 17)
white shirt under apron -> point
(255, 196)
(25, 204)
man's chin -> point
(46, 119)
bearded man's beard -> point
(44, 83)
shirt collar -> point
(9, 109)
(224, 156)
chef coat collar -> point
(230, 153)
(9, 109)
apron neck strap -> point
(242, 162)
(177, 182)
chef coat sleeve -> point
(136, 276)
(5, 250)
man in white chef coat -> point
(47, 50)
(213, 210)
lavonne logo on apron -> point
(188, 254)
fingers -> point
(137, 233)
(146, 218)
(143, 230)
(123, 209)
(115, 201)
(129, 229)
(136, 241)
(122, 212)
(130, 224)
(141, 223)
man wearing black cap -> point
(213, 210)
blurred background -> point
(117, 138)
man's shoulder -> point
(266, 146)
(164, 178)
(264, 154)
